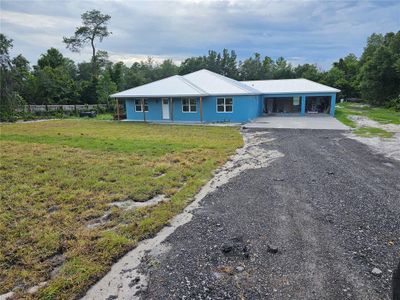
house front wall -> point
(245, 108)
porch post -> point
(117, 109)
(201, 109)
(333, 103)
(172, 108)
(144, 113)
(303, 105)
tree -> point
(105, 87)
(281, 69)
(94, 27)
(52, 58)
(9, 96)
(192, 64)
(307, 71)
(229, 64)
(251, 68)
(268, 65)
(166, 68)
(379, 74)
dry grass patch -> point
(58, 176)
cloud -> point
(310, 31)
(34, 21)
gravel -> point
(330, 219)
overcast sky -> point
(301, 31)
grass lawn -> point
(58, 176)
(372, 132)
(379, 114)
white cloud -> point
(35, 21)
(312, 31)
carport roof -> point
(288, 86)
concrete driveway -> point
(297, 122)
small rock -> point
(279, 179)
(272, 249)
(52, 209)
(376, 272)
(330, 173)
(112, 297)
(239, 268)
(226, 248)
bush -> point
(395, 103)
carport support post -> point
(303, 105)
(333, 103)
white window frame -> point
(190, 105)
(224, 105)
(138, 102)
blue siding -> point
(245, 108)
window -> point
(189, 105)
(138, 105)
(224, 104)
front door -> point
(165, 109)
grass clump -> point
(58, 176)
(373, 132)
(379, 114)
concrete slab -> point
(297, 122)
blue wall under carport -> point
(303, 99)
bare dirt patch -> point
(390, 147)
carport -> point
(295, 97)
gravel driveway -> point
(313, 224)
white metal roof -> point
(174, 86)
(207, 83)
(216, 84)
(283, 86)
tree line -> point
(56, 79)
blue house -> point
(204, 96)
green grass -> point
(379, 114)
(373, 132)
(342, 116)
(77, 167)
(104, 117)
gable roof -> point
(174, 86)
(284, 86)
(216, 84)
(207, 83)
(199, 83)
